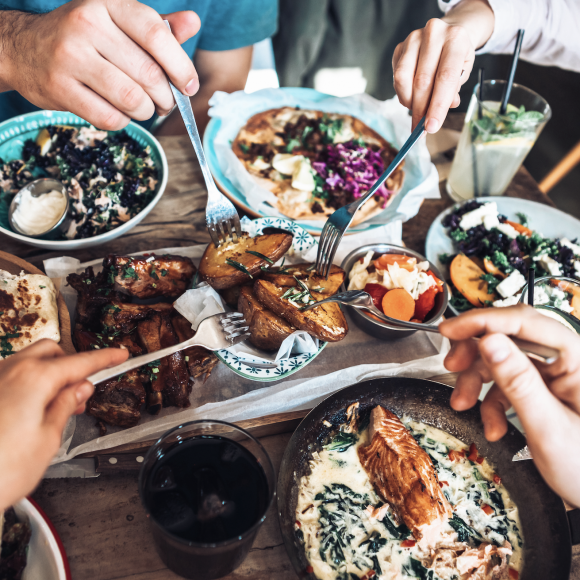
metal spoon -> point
(363, 301)
(37, 188)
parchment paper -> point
(230, 397)
(389, 118)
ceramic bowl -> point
(375, 327)
(14, 132)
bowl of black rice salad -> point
(113, 179)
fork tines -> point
(234, 325)
(225, 230)
(327, 246)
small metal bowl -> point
(380, 329)
(37, 188)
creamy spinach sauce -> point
(345, 539)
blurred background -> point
(344, 47)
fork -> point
(341, 219)
(214, 333)
(221, 217)
(363, 301)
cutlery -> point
(340, 220)
(214, 333)
(363, 301)
(522, 454)
(221, 217)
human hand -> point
(430, 66)
(40, 388)
(545, 397)
(104, 60)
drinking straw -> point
(473, 152)
(481, 76)
(531, 280)
(508, 87)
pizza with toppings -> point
(317, 162)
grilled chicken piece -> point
(85, 340)
(200, 361)
(93, 293)
(170, 381)
(123, 317)
(403, 475)
(118, 401)
(167, 276)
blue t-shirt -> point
(225, 25)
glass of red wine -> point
(206, 487)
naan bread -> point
(266, 131)
(28, 309)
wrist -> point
(13, 34)
(476, 17)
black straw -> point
(481, 76)
(508, 87)
(531, 281)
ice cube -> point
(163, 478)
(171, 510)
(210, 495)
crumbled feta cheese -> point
(549, 264)
(577, 267)
(514, 282)
(477, 216)
(511, 301)
(541, 296)
(574, 247)
(508, 230)
(490, 222)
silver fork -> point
(363, 301)
(341, 219)
(221, 217)
(214, 333)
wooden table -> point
(101, 521)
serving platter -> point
(14, 132)
(15, 265)
(547, 541)
(302, 242)
(46, 559)
(546, 220)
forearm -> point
(476, 16)
(13, 24)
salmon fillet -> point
(403, 475)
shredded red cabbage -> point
(351, 167)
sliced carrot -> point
(491, 268)
(513, 574)
(466, 277)
(408, 543)
(496, 479)
(399, 304)
(406, 262)
(566, 286)
(442, 483)
(425, 303)
(520, 228)
(487, 509)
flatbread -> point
(28, 311)
(267, 133)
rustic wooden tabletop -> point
(100, 520)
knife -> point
(522, 454)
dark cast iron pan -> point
(545, 525)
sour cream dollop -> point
(36, 215)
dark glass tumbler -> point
(206, 487)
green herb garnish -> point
(492, 282)
(257, 254)
(238, 266)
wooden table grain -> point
(101, 521)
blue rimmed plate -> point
(302, 242)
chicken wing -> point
(86, 340)
(142, 277)
(170, 381)
(118, 401)
(200, 361)
(403, 474)
(123, 317)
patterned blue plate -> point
(302, 242)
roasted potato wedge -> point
(221, 275)
(231, 295)
(325, 322)
(267, 330)
(305, 273)
(466, 277)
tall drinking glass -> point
(206, 487)
(492, 146)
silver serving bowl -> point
(380, 329)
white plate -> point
(46, 555)
(546, 220)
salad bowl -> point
(374, 326)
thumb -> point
(519, 381)
(184, 24)
(66, 402)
